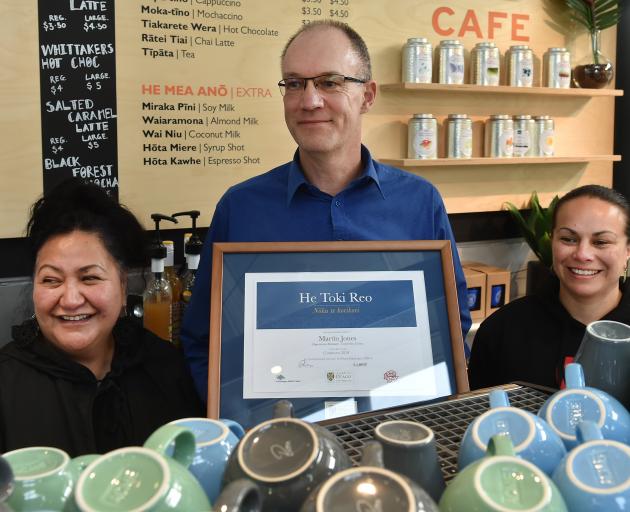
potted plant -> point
(595, 15)
(536, 230)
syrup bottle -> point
(192, 249)
(158, 295)
(176, 290)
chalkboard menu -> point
(78, 92)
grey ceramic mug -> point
(409, 449)
(286, 457)
(6, 480)
(369, 488)
(605, 358)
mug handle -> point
(588, 431)
(234, 427)
(241, 495)
(499, 398)
(372, 454)
(574, 375)
(500, 444)
(283, 409)
(182, 438)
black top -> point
(529, 340)
(46, 399)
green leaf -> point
(545, 250)
(549, 213)
(517, 216)
(607, 20)
(578, 5)
(536, 229)
(604, 5)
(581, 13)
(582, 21)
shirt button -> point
(337, 203)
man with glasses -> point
(332, 189)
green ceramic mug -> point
(144, 478)
(503, 482)
(43, 479)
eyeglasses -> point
(326, 84)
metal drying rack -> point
(448, 419)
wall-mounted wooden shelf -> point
(409, 162)
(500, 89)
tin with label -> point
(520, 66)
(458, 136)
(557, 68)
(544, 136)
(451, 62)
(499, 136)
(485, 65)
(524, 128)
(422, 137)
(417, 61)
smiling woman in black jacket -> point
(534, 337)
(79, 376)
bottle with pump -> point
(183, 268)
(192, 249)
(158, 296)
(176, 289)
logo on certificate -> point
(330, 376)
(390, 376)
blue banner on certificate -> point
(337, 334)
(334, 304)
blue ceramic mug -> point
(565, 409)
(595, 475)
(215, 440)
(533, 439)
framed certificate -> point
(338, 328)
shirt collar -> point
(297, 178)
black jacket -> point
(46, 399)
(530, 340)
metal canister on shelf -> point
(524, 128)
(422, 137)
(557, 68)
(451, 62)
(458, 136)
(417, 61)
(544, 136)
(499, 136)
(520, 66)
(485, 65)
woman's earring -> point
(625, 271)
(35, 323)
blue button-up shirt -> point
(384, 203)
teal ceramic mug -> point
(79, 464)
(503, 482)
(144, 478)
(43, 479)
